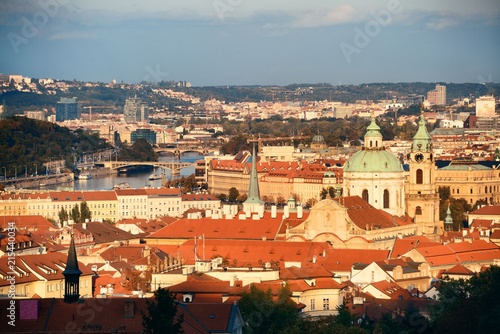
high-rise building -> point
(66, 109)
(147, 134)
(437, 96)
(485, 106)
(135, 110)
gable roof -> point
(404, 245)
(493, 210)
(104, 233)
(36, 224)
(210, 228)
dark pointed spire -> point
(71, 275)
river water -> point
(134, 180)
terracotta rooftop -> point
(242, 253)
(401, 246)
(35, 224)
(107, 315)
(493, 210)
(210, 228)
(104, 233)
(367, 217)
(458, 269)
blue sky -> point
(252, 42)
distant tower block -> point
(485, 106)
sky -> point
(252, 42)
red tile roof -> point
(481, 223)
(454, 253)
(391, 289)
(367, 217)
(487, 210)
(35, 224)
(221, 228)
(99, 195)
(458, 269)
(89, 315)
(244, 253)
(402, 246)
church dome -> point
(380, 161)
(318, 139)
(373, 157)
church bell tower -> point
(422, 200)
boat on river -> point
(153, 177)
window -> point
(420, 176)
(471, 191)
(418, 210)
(386, 199)
(313, 304)
(326, 304)
(364, 195)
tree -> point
(444, 193)
(327, 192)
(387, 325)
(75, 214)
(140, 150)
(233, 194)
(242, 198)
(311, 202)
(344, 317)
(63, 215)
(161, 314)
(468, 306)
(85, 212)
(264, 315)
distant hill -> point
(17, 102)
(28, 142)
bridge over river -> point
(175, 167)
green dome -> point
(380, 161)
(422, 141)
(318, 139)
(373, 130)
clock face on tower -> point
(419, 157)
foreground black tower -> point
(71, 276)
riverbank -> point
(37, 182)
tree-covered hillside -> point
(28, 142)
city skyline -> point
(238, 42)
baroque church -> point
(381, 201)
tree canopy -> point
(161, 314)
(26, 143)
(468, 306)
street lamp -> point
(25, 171)
(36, 170)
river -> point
(134, 180)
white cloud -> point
(441, 23)
(338, 15)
